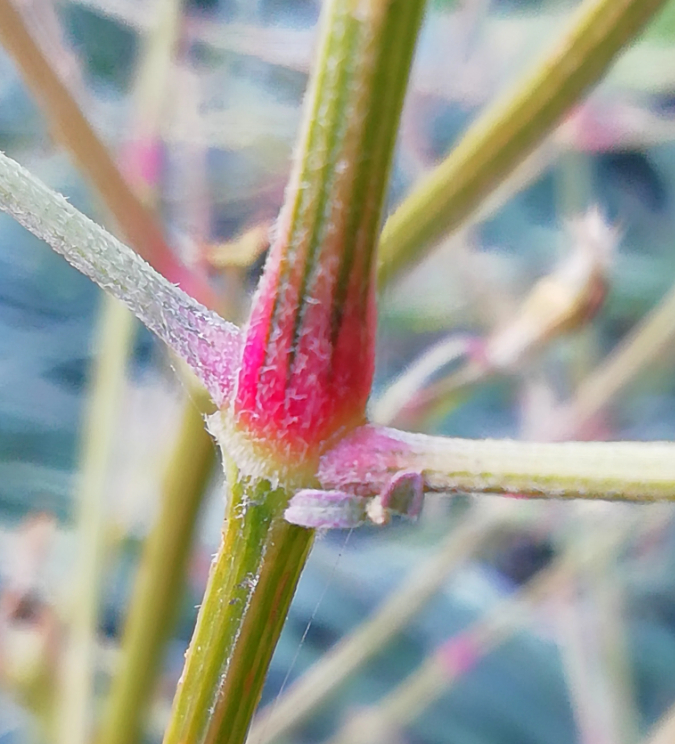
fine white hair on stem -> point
(207, 343)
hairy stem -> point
(619, 471)
(303, 697)
(252, 582)
(202, 338)
(306, 361)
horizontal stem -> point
(626, 471)
(510, 129)
(207, 343)
(366, 460)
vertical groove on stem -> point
(307, 359)
(251, 584)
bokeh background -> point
(590, 657)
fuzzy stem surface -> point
(365, 462)
(252, 582)
(307, 358)
(206, 342)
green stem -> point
(510, 129)
(251, 584)
(330, 672)
(370, 456)
(328, 230)
(618, 471)
(157, 592)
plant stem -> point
(365, 461)
(251, 584)
(297, 703)
(158, 587)
(510, 129)
(114, 335)
(199, 336)
(306, 361)
(643, 346)
(620, 471)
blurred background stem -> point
(75, 693)
(509, 129)
(158, 587)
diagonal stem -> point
(202, 338)
(510, 129)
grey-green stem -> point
(198, 335)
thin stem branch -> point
(92, 157)
(202, 338)
(592, 638)
(365, 462)
(643, 346)
(509, 129)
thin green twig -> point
(365, 462)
